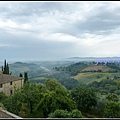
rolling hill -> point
(96, 68)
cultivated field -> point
(89, 77)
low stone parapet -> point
(6, 114)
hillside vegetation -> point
(68, 73)
(96, 68)
(66, 90)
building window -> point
(11, 91)
(10, 83)
(0, 85)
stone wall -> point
(7, 88)
(6, 114)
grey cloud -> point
(99, 20)
(96, 25)
(21, 9)
(27, 47)
(102, 21)
(93, 25)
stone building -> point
(8, 83)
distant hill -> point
(81, 58)
(20, 67)
(92, 58)
(73, 69)
(67, 72)
(96, 68)
(35, 68)
(87, 72)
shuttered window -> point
(10, 83)
(11, 91)
(0, 85)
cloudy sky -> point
(55, 30)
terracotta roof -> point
(4, 78)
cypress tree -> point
(20, 75)
(5, 68)
(2, 69)
(5, 64)
(25, 77)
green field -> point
(90, 77)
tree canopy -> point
(84, 97)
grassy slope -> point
(94, 67)
(90, 77)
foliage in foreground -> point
(65, 114)
(53, 100)
(84, 97)
(36, 100)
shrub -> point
(76, 114)
(59, 114)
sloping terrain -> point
(95, 73)
(96, 68)
(94, 76)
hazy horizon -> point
(58, 59)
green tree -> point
(31, 95)
(65, 114)
(55, 97)
(12, 104)
(2, 106)
(2, 97)
(76, 114)
(37, 101)
(112, 109)
(98, 109)
(51, 101)
(59, 114)
(84, 97)
(28, 96)
(20, 75)
(5, 68)
(25, 77)
(118, 86)
(53, 84)
(112, 97)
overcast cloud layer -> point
(55, 30)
